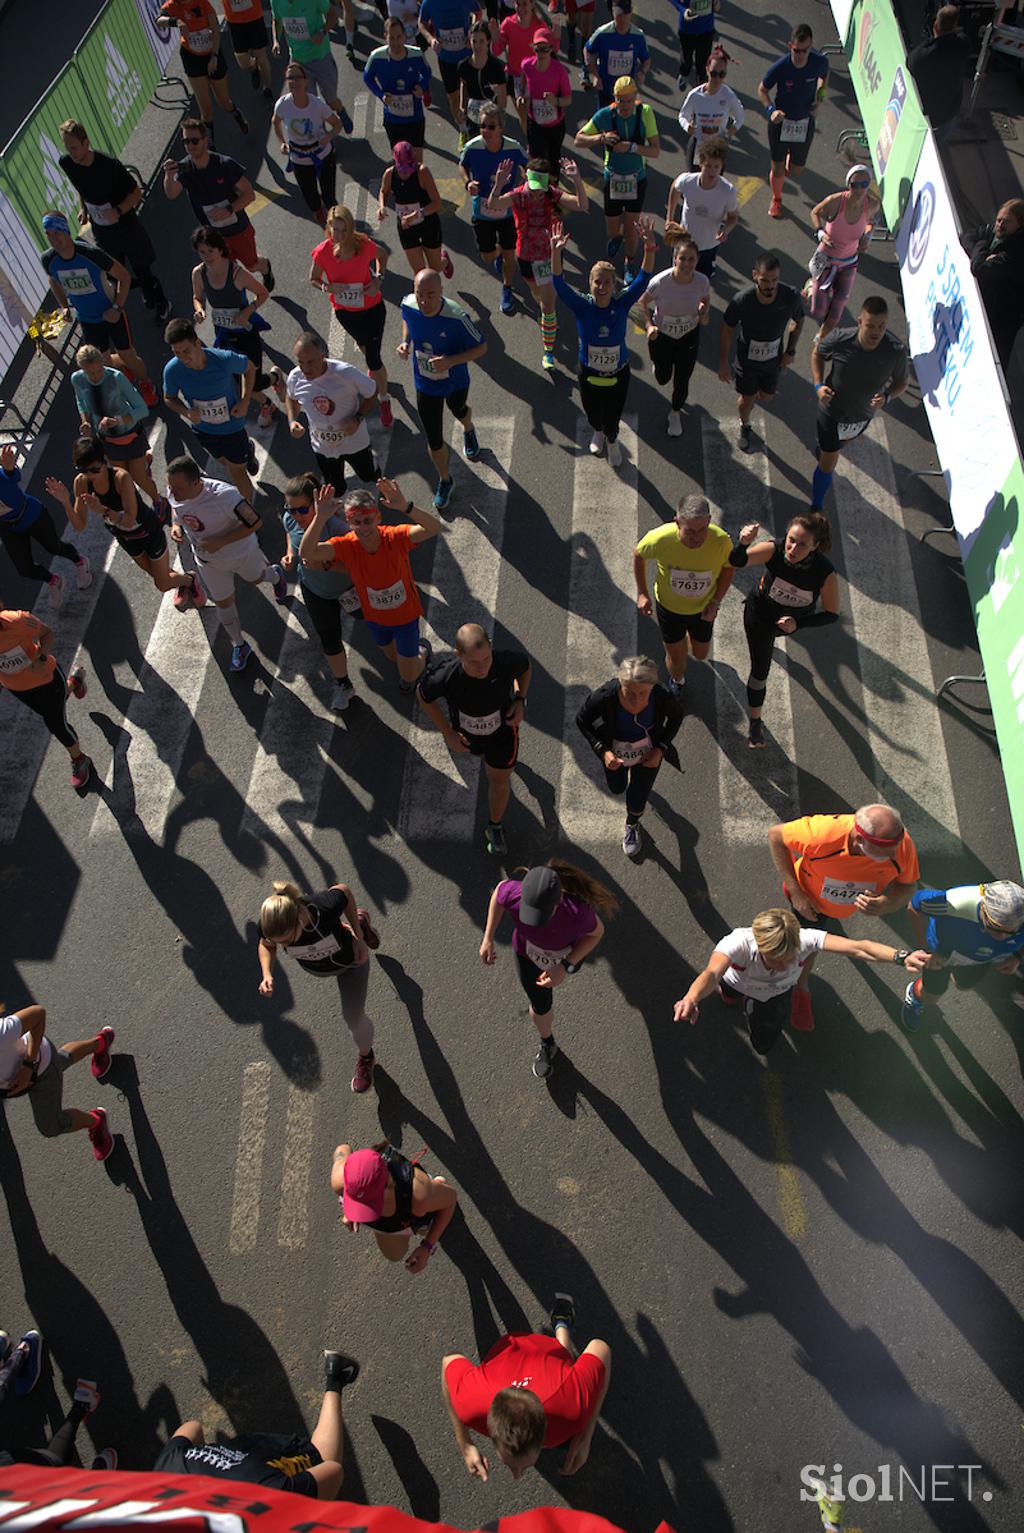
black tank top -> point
(402, 1173)
(407, 190)
(788, 590)
(225, 303)
(146, 518)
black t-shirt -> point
(259, 1458)
(764, 324)
(479, 698)
(855, 375)
(104, 183)
(789, 590)
(480, 83)
(212, 187)
(325, 945)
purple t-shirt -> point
(547, 945)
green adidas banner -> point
(29, 171)
(893, 120)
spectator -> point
(938, 67)
(997, 261)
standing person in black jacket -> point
(938, 67)
(997, 261)
(630, 723)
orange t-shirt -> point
(19, 632)
(197, 18)
(387, 591)
(830, 874)
(243, 10)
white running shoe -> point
(614, 454)
(675, 423)
(83, 574)
(55, 589)
(597, 443)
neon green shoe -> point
(831, 1509)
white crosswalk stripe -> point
(252, 1133)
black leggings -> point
(635, 782)
(765, 1019)
(761, 638)
(58, 1451)
(50, 701)
(333, 469)
(695, 50)
(541, 999)
(545, 141)
(18, 545)
(604, 402)
(675, 360)
(326, 614)
(318, 183)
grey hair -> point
(693, 507)
(310, 338)
(361, 498)
(879, 820)
(638, 668)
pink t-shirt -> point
(555, 78)
(518, 41)
(534, 214)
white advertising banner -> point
(842, 11)
(22, 282)
(952, 353)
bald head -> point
(878, 823)
(468, 636)
(428, 290)
(473, 648)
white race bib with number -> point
(693, 584)
(400, 106)
(602, 359)
(77, 279)
(847, 430)
(700, 7)
(676, 325)
(844, 891)
(201, 41)
(541, 271)
(386, 598)
(101, 212)
(542, 110)
(630, 752)
(216, 207)
(313, 952)
(349, 600)
(480, 724)
(453, 39)
(226, 319)
(622, 188)
(296, 27)
(788, 595)
(794, 130)
(324, 437)
(348, 294)
(403, 209)
(213, 412)
(763, 351)
(14, 660)
(543, 959)
(424, 361)
(620, 63)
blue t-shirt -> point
(602, 331)
(213, 389)
(327, 583)
(441, 335)
(796, 87)
(703, 19)
(955, 928)
(386, 76)
(450, 20)
(638, 128)
(81, 276)
(481, 164)
(615, 53)
(17, 510)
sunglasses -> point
(717, 74)
(859, 186)
(193, 141)
(543, 49)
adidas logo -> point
(58, 191)
(123, 84)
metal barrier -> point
(995, 39)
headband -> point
(56, 221)
(877, 840)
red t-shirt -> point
(353, 274)
(19, 633)
(568, 1390)
(387, 591)
(197, 18)
(534, 214)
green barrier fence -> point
(893, 120)
(119, 71)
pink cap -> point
(365, 1179)
(544, 35)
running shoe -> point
(563, 1311)
(911, 1010)
(363, 1078)
(76, 682)
(269, 280)
(86, 1394)
(100, 1137)
(345, 120)
(494, 840)
(28, 1374)
(547, 361)
(240, 120)
(55, 590)
(471, 445)
(341, 696)
(148, 392)
(370, 934)
(631, 838)
(443, 493)
(105, 1459)
(677, 688)
(101, 1061)
(746, 437)
(164, 310)
(597, 443)
(83, 574)
(280, 585)
(199, 597)
(252, 463)
(628, 274)
(350, 54)
(277, 383)
(81, 771)
(462, 139)
(387, 414)
(339, 1370)
(183, 597)
(775, 208)
(585, 81)
(755, 736)
(830, 1507)
(614, 453)
(544, 1059)
(614, 246)
(446, 263)
(674, 426)
(801, 1012)
(267, 413)
(508, 302)
(241, 654)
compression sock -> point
(778, 181)
(548, 329)
(755, 691)
(230, 623)
(821, 483)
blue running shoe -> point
(508, 303)
(443, 493)
(241, 654)
(280, 586)
(911, 1011)
(345, 119)
(470, 446)
(614, 246)
(28, 1374)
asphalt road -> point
(810, 1263)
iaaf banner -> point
(77, 1499)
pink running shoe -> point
(100, 1062)
(100, 1137)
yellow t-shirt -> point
(686, 577)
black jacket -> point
(938, 67)
(998, 267)
(596, 719)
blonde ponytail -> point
(280, 911)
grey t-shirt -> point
(855, 375)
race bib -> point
(404, 208)
(349, 600)
(620, 63)
(474, 108)
(400, 106)
(630, 752)
(480, 724)
(841, 891)
(77, 279)
(201, 41)
(313, 951)
(622, 188)
(386, 598)
(788, 595)
(541, 271)
(424, 362)
(14, 660)
(676, 325)
(213, 412)
(700, 7)
(217, 207)
(602, 359)
(693, 584)
(544, 959)
(296, 27)
(847, 430)
(794, 130)
(325, 436)
(453, 39)
(543, 111)
(101, 213)
(226, 319)
(763, 351)
(348, 294)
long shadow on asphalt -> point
(417, 1481)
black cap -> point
(539, 896)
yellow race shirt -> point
(686, 577)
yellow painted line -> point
(452, 190)
(791, 1203)
(747, 187)
(263, 200)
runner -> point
(418, 206)
(24, 520)
(107, 491)
(395, 1198)
(29, 670)
(759, 967)
(711, 110)
(330, 936)
(769, 316)
(630, 723)
(444, 27)
(305, 127)
(20, 1367)
(628, 137)
(112, 411)
(110, 197)
(31, 1066)
(705, 203)
(555, 924)
(349, 266)
(222, 286)
(967, 931)
(408, 13)
(329, 594)
(834, 864)
(797, 575)
(306, 24)
(694, 573)
(443, 341)
(843, 222)
(485, 690)
(85, 279)
(221, 527)
(400, 77)
(546, 91)
(676, 304)
(377, 558)
(513, 40)
(529, 1392)
(250, 41)
(798, 79)
(219, 192)
(494, 232)
(335, 399)
(696, 39)
(202, 57)
(617, 49)
(536, 206)
(855, 374)
(601, 321)
(482, 80)
(200, 385)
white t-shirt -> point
(701, 212)
(673, 305)
(328, 402)
(217, 509)
(14, 1045)
(304, 124)
(709, 116)
(747, 972)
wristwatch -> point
(571, 968)
(901, 955)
